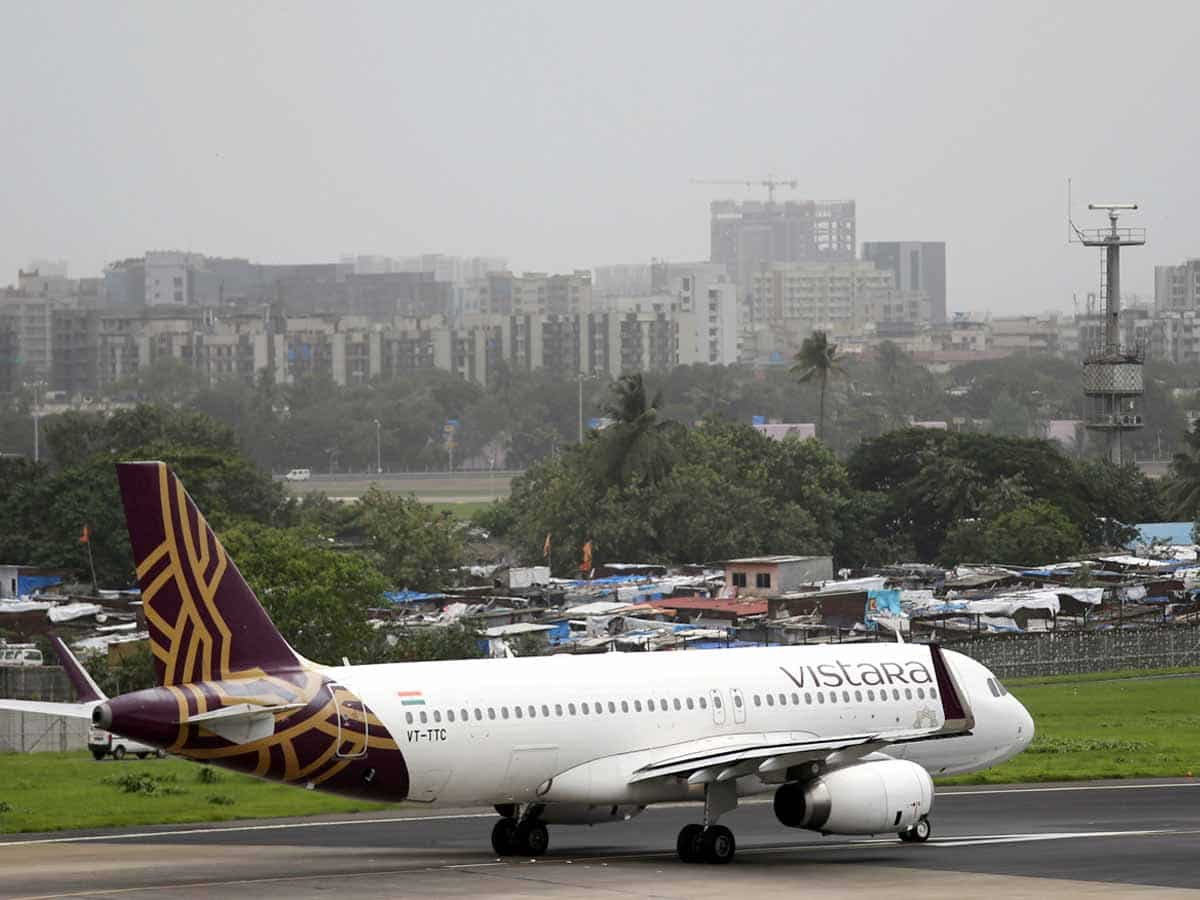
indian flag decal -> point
(411, 698)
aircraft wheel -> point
(688, 844)
(531, 839)
(504, 836)
(919, 833)
(717, 845)
(119, 753)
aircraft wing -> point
(46, 708)
(704, 761)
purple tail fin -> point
(86, 690)
(205, 622)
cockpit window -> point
(1001, 688)
(992, 686)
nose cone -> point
(1025, 728)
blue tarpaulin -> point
(410, 596)
(30, 584)
(1174, 533)
(885, 603)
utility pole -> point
(378, 452)
(581, 407)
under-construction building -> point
(749, 237)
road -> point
(1127, 839)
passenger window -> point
(691, 704)
(624, 706)
(717, 701)
(491, 712)
(612, 707)
(637, 705)
(571, 708)
(517, 711)
(650, 705)
(920, 693)
(870, 695)
(795, 699)
(933, 693)
(449, 715)
(808, 698)
(598, 708)
(583, 708)
(463, 714)
(770, 700)
(532, 711)
(408, 718)
(545, 711)
(858, 696)
(703, 703)
(895, 693)
(677, 706)
(908, 693)
(478, 714)
(783, 699)
(504, 712)
(424, 718)
(820, 696)
(845, 696)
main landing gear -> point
(710, 842)
(519, 836)
(919, 833)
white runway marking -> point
(398, 820)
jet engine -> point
(868, 798)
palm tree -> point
(817, 360)
(636, 438)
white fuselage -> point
(573, 729)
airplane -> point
(846, 736)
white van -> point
(299, 475)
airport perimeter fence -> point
(1079, 652)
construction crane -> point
(770, 182)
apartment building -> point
(1177, 288)
(917, 266)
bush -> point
(145, 783)
(209, 775)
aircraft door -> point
(718, 706)
(353, 727)
(739, 706)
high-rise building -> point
(1177, 288)
(917, 266)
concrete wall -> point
(1073, 652)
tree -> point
(637, 441)
(414, 546)
(318, 598)
(817, 361)
(1183, 490)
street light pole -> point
(378, 452)
(581, 407)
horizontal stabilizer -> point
(242, 723)
(47, 708)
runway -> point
(1124, 839)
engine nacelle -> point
(868, 798)
(586, 813)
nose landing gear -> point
(919, 833)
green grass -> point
(1107, 725)
(464, 510)
(53, 791)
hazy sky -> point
(563, 135)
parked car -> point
(103, 743)
(19, 655)
(299, 475)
